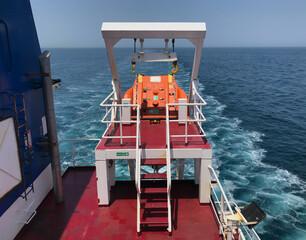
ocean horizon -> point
(204, 47)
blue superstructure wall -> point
(19, 51)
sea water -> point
(256, 120)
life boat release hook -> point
(133, 63)
(174, 68)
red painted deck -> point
(79, 217)
(153, 136)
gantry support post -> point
(205, 178)
(44, 61)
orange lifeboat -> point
(152, 93)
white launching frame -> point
(114, 32)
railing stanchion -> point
(72, 161)
(72, 148)
(222, 211)
(120, 119)
(186, 140)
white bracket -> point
(154, 57)
(126, 111)
(182, 110)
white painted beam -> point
(164, 30)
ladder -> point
(23, 137)
(153, 199)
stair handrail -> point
(138, 165)
(168, 154)
(168, 151)
(112, 108)
(138, 152)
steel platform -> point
(79, 217)
(153, 136)
(153, 146)
(153, 142)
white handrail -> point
(197, 120)
(138, 166)
(221, 189)
(73, 151)
(138, 152)
(197, 94)
(113, 106)
(107, 98)
(168, 151)
(78, 140)
(225, 209)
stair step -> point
(150, 205)
(154, 176)
(154, 220)
(159, 161)
(154, 190)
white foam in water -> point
(246, 178)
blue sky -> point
(240, 23)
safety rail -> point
(74, 151)
(74, 159)
(112, 108)
(222, 208)
(198, 117)
(198, 120)
(197, 99)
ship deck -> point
(153, 136)
(79, 216)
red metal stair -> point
(154, 190)
(154, 176)
(155, 220)
(158, 161)
(155, 207)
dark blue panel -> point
(20, 49)
(5, 53)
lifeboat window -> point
(5, 56)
